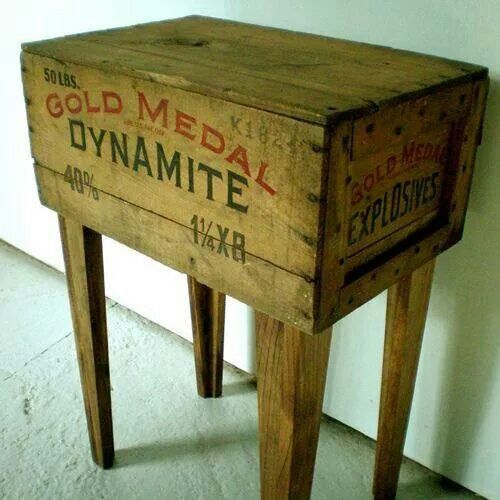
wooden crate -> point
(300, 174)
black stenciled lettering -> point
(406, 198)
(384, 211)
(395, 201)
(97, 140)
(400, 200)
(121, 149)
(434, 176)
(170, 168)
(413, 183)
(168, 165)
(141, 156)
(211, 173)
(190, 175)
(82, 144)
(426, 187)
(376, 211)
(419, 188)
(364, 222)
(238, 247)
(223, 232)
(233, 189)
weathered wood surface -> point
(464, 163)
(393, 185)
(291, 375)
(251, 65)
(207, 318)
(251, 190)
(172, 245)
(407, 303)
(236, 180)
(82, 250)
(300, 174)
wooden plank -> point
(381, 275)
(395, 126)
(82, 250)
(407, 303)
(198, 79)
(250, 64)
(332, 257)
(424, 225)
(256, 177)
(471, 138)
(291, 374)
(248, 278)
(207, 318)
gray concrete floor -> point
(170, 443)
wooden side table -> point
(302, 175)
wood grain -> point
(251, 65)
(291, 374)
(466, 156)
(289, 217)
(82, 249)
(254, 282)
(258, 159)
(407, 304)
(334, 231)
(207, 317)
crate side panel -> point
(278, 293)
(399, 174)
(234, 174)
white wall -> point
(454, 427)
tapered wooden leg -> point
(207, 317)
(407, 304)
(82, 249)
(291, 374)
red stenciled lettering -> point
(88, 106)
(369, 181)
(208, 135)
(428, 149)
(419, 152)
(408, 153)
(391, 165)
(260, 179)
(184, 124)
(162, 108)
(57, 110)
(239, 156)
(76, 98)
(356, 194)
(108, 97)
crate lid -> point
(307, 77)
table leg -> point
(407, 304)
(207, 317)
(291, 374)
(82, 249)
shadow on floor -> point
(194, 445)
